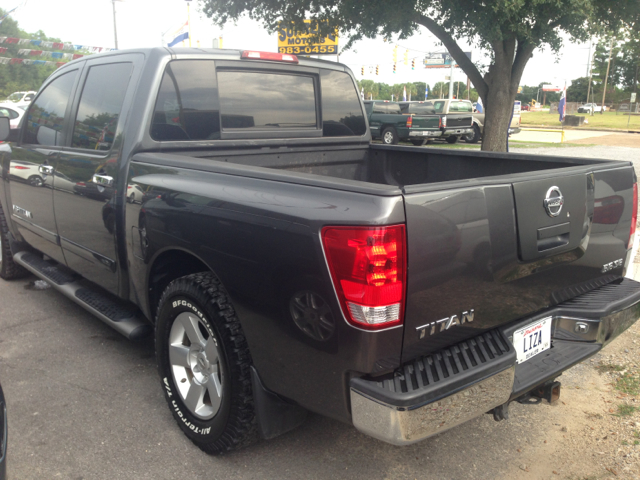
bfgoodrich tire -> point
(204, 364)
(9, 270)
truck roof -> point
(212, 53)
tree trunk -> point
(498, 111)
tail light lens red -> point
(368, 269)
(443, 122)
(410, 121)
(634, 216)
(608, 210)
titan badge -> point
(21, 211)
(445, 323)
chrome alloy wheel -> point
(388, 137)
(195, 365)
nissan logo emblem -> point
(553, 202)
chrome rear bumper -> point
(444, 389)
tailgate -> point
(426, 121)
(454, 120)
(480, 257)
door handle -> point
(105, 180)
(46, 169)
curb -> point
(540, 127)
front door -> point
(87, 173)
(32, 163)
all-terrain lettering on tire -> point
(204, 364)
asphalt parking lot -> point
(84, 403)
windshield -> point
(15, 97)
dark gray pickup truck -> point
(231, 203)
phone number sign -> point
(305, 42)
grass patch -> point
(626, 410)
(606, 120)
(609, 368)
(628, 383)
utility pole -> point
(606, 77)
(115, 30)
(590, 74)
(451, 79)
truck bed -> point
(477, 234)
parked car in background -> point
(388, 122)
(26, 171)
(591, 108)
(21, 98)
(478, 123)
(15, 114)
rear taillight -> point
(275, 57)
(443, 121)
(608, 210)
(634, 216)
(410, 121)
(368, 269)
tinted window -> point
(266, 100)
(421, 109)
(439, 106)
(187, 105)
(341, 111)
(100, 106)
(386, 107)
(460, 107)
(46, 115)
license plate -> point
(532, 339)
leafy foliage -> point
(510, 29)
(20, 77)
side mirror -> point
(5, 129)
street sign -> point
(441, 60)
(551, 88)
(633, 98)
(303, 42)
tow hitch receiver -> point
(549, 391)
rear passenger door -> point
(85, 188)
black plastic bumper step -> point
(51, 272)
(428, 378)
(604, 300)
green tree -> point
(510, 30)
(420, 88)
(19, 77)
(370, 88)
(578, 90)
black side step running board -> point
(119, 315)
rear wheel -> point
(35, 180)
(9, 270)
(416, 142)
(389, 136)
(473, 137)
(204, 364)
(453, 139)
